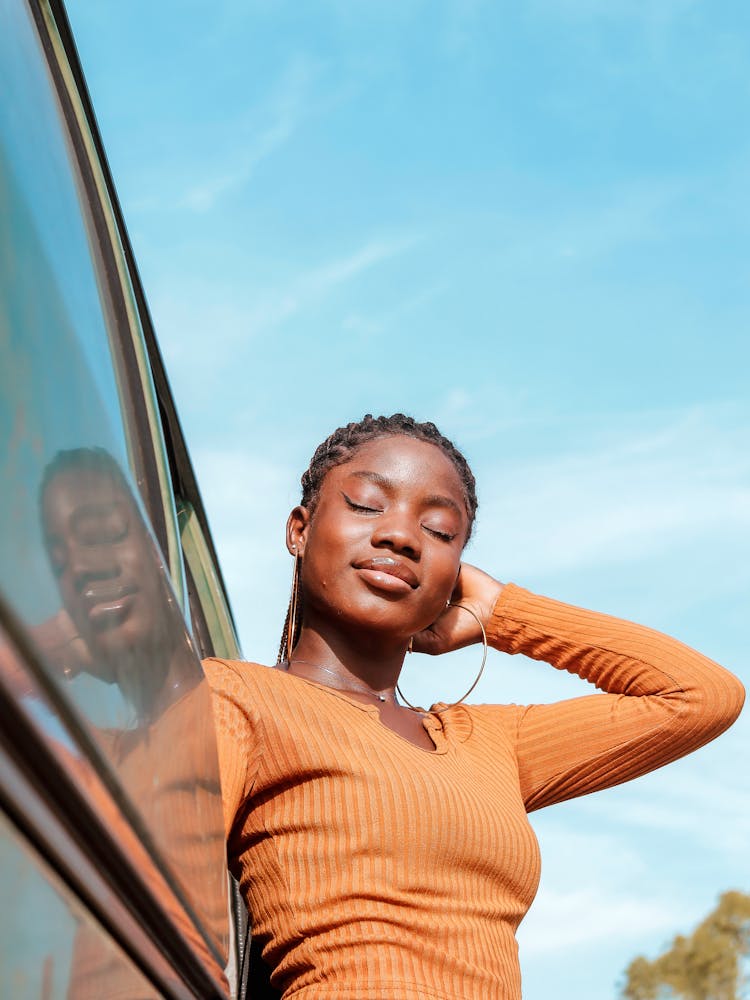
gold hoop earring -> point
(481, 668)
(293, 604)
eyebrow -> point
(434, 500)
(438, 500)
(97, 509)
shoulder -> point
(216, 668)
(239, 679)
(256, 686)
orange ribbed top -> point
(377, 870)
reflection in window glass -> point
(50, 947)
(35, 157)
(78, 563)
(56, 378)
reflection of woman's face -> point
(383, 548)
(105, 567)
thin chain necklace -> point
(359, 690)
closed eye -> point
(362, 508)
(444, 536)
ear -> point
(297, 526)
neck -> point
(366, 667)
(152, 693)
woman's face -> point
(105, 566)
(383, 548)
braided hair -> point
(79, 460)
(339, 448)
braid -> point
(340, 446)
(93, 459)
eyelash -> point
(444, 536)
(361, 506)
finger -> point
(447, 633)
(428, 642)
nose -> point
(88, 563)
(399, 532)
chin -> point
(387, 622)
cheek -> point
(327, 558)
(134, 555)
(317, 573)
(443, 576)
(71, 600)
(138, 562)
(330, 550)
(446, 563)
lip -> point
(387, 573)
(108, 605)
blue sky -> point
(529, 223)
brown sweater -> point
(377, 870)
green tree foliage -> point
(706, 965)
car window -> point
(82, 569)
(52, 947)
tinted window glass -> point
(78, 562)
(50, 947)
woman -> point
(384, 852)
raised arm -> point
(661, 699)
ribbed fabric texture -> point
(169, 771)
(376, 870)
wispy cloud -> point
(665, 806)
(368, 325)
(607, 221)
(343, 269)
(204, 195)
(627, 498)
(599, 886)
(239, 313)
(311, 286)
(254, 137)
(581, 918)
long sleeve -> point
(238, 737)
(662, 699)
